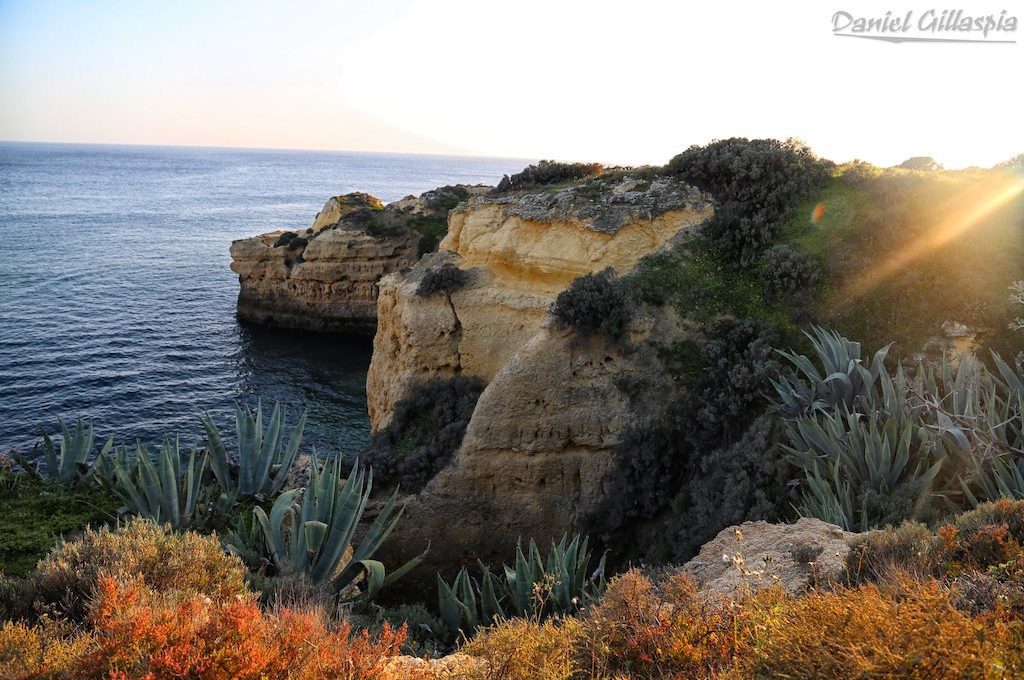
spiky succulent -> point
(531, 588)
(167, 490)
(310, 531)
(877, 447)
(264, 457)
(72, 463)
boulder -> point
(795, 556)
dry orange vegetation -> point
(640, 629)
(920, 604)
(138, 633)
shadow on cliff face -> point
(323, 372)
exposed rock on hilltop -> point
(325, 277)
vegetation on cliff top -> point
(546, 173)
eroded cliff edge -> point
(519, 251)
(324, 278)
(542, 436)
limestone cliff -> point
(325, 277)
(522, 250)
(543, 433)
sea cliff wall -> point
(324, 278)
(544, 432)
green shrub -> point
(786, 271)
(756, 183)
(425, 431)
(710, 455)
(425, 631)
(34, 515)
(1015, 163)
(446, 279)
(546, 173)
(980, 553)
(285, 239)
(923, 163)
(163, 559)
(596, 304)
(878, 554)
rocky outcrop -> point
(521, 250)
(795, 557)
(544, 431)
(325, 277)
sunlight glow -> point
(966, 210)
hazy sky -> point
(630, 81)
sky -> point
(624, 82)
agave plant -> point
(532, 588)
(842, 379)
(950, 430)
(165, 490)
(313, 536)
(264, 459)
(871, 464)
(71, 464)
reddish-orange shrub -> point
(642, 629)
(142, 634)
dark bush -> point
(712, 456)
(596, 304)
(744, 481)
(284, 239)
(546, 173)
(425, 431)
(446, 279)
(785, 271)
(738, 364)
(647, 470)
(756, 183)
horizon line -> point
(268, 148)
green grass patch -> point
(702, 288)
(33, 515)
(887, 278)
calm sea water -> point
(117, 302)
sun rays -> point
(964, 211)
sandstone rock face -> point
(522, 251)
(544, 431)
(325, 278)
(337, 207)
(758, 554)
(542, 241)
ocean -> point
(117, 303)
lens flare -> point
(965, 211)
(817, 213)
